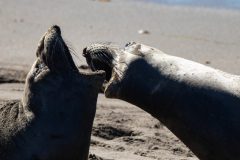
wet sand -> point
(121, 131)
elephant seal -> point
(53, 121)
(199, 104)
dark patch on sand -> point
(109, 132)
(94, 157)
(8, 75)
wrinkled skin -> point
(53, 121)
(199, 104)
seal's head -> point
(114, 61)
(53, 52)
(100, 57)
(61, 100)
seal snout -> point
(53, 51)
(56, 29)
(85, 52)
(99, 57)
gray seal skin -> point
(199, 104)
(53, 121)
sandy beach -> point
(121, 131)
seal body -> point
(53, 121)
(199, 104)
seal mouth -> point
(100, 57)
(53, 53)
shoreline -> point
(198, 4)
(198, 34)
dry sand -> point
(121, 131)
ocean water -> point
(227, 4)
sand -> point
(121, 131)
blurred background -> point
(206, 31)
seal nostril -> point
(84, 52)
(56, 28)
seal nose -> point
(56, 28)
(85, 52)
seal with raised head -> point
(199, 104)
(53, 121)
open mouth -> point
(99, 59)
(53, 53)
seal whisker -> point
(107, 58)
(71, 49)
